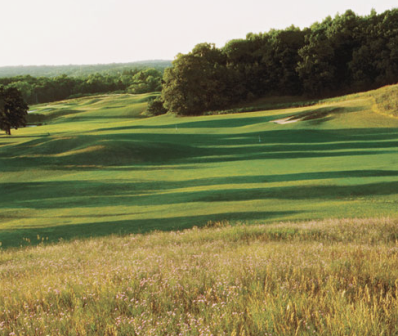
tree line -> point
(344, 54)
(36, 90)
(80, 70)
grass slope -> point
(96, 167)
(336, 277)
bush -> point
(156, 107)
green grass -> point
(90, 192)
(97, 166)
(334, 277)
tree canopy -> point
(339, 55)
(36, 90)
(81, 70)
(13, 110)
(196, 82)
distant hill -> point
(79, 70)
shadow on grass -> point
(234, 122)
(128, 149)
(216, 123)
(147, 151)
(16, 238)
(78, 194)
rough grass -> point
(387, 100)
(333, 277)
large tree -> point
(196, 83)
(13, 109)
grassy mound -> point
(387, 100)
(90, 108)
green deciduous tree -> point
(13, 110)
(197, 81)
(336, 56)
(316, 67)
(156, 107)
(149, 80)
(375, 60)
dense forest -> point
(46, 89)
(339, 55)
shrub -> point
(156, 107)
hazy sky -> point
(36, 32)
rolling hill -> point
(98, 166)
(266, 200)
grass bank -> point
(333, 277)
(386, 100)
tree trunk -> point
(8, 130)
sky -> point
(60, 32)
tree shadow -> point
(16, 238)
(79, 194)
(234, 122)
(148, 149)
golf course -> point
(97, 166)
(203, 168)
(276, 222)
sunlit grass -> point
(387, 100)
(334, 277)
(97, 166)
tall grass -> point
(386, 100)
(336, 277)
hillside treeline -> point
(80, 70)
(339, 55)
(36, 90)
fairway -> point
(96, 166)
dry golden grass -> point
(336, 277)
(386, 100)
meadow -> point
(98, 166)
(331, 277)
